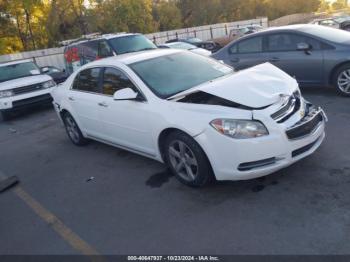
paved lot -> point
(134, 206)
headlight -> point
(239, 129)
(49, 84)
(6, 93)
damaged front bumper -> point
(287, 143)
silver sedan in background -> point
(186, 46)
(314, 55)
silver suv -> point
(22, 85)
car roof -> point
(134, 57)
(16, 62)
(304, 28)
(292, 28)
(99, 37)
(297, 27)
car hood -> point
(24, 81)
(257, 87)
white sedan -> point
(193, 113)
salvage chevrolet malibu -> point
(193, 113)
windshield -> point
(132, 43)
(328, 33)
(172, 74)
(182, 45)
(14, 71)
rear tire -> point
(341, 80)
(73, 131)
(187, 160)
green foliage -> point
(33, 24)
(167, 16)
(123, 15)
(340, 4)
(66, 19)
(324, 6)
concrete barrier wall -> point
(294, 19)
(43, 57)
(205, 32)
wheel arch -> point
(63, 112)
(162, 137)
(166, 132)
(334, 70)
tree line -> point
(33, 24)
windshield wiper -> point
(147, 48)
(133, 51)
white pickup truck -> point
(22, 85)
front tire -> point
(187, 160)
(341, 80)
(73, 131)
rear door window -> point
(88, 80)
(289, 42)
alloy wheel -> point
(72, 129)
(344, 81)
(183, 160)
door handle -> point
(234, 60)
(71, 98)
(274, 59)
(104, 104)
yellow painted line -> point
(65, 232)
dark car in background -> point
(254, 28)
(342, 22)
(314, 55)
(208, 45)
(83, 51)
(58, 75)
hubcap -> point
(183, 160)
(72, 129)
(344, 81)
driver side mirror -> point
(126, 94)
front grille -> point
(291, 106)
(305, 126)
(304, 149)
(27, 89)
(256, 164)
(32, 101)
